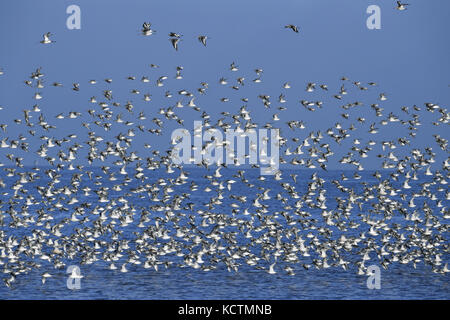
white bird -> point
(45, 276)
(401, 6)
(146, 29)
(271, 269)
(47, 39)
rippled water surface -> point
(398, 283)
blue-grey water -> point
(398, 281)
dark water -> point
(399, 281)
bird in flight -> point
(202, 39)
(174, 35)
(174, 42)
(47, 39)
(146, 29)
(292, 27)
(401, 6)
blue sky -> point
(408, 57)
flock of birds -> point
(132, 206)
(175, 38)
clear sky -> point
(408, 57)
